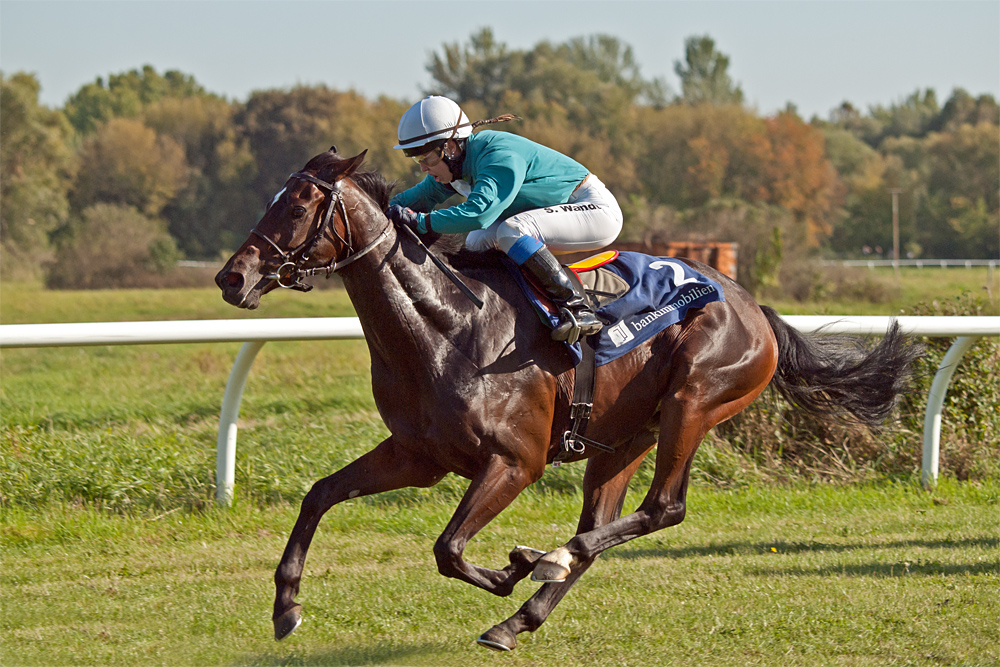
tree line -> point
(140, 169)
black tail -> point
(831, 375)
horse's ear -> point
(333, 149)
(350, 165)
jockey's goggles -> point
(429, 159)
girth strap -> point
(573, 440)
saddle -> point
(601, 285)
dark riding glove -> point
(407, 217)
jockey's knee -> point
(481, 240)
(510, 230)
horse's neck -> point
(405, 303)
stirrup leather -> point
(573, 441)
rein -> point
(292, 267)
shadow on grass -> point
(887, 569)
(381, 653)
(891, 567)
(753, 548)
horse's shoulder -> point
(483, 265)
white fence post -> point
(225, 457)
(935, 404)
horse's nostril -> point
(234, 279)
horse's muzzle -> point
(235, 290)
(227, 280)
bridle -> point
(292, 267)
(294, 259)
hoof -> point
(498, 639)
(525, 555)
(286, 624)
(553, 567)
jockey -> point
(522, 198)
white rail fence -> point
(919, 263)
(254, 333)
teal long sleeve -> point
(508, 174)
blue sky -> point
(814, 54)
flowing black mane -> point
(375, 186)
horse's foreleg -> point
(604, 486)
(385, 468)
(490, 492)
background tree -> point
(124, 96)
(704, 74)
(481, 70)
(800, 177)
(127, 163)
(213, 210)
(961, 213)
(283, 129)
(851, 119)
(613, 62)
(112, 246)
(913, 117)
(867, 219)
(944, 161)
(36, 163)
(963, 109)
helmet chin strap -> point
(454, 162)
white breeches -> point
(590, 220)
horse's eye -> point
(298, 211)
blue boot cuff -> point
(523, 248)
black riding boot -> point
(564, 287)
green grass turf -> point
(882, 574)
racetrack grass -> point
(875, 574)
(27, 303)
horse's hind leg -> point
(604, 486)
(384, 468)
(686, 416)
(682, 427)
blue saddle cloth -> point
(661, 291)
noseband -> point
(292, 266)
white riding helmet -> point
(431, 119)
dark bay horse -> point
(485, 393)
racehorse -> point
(484, 392)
